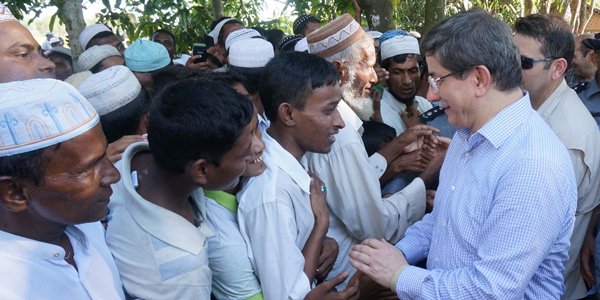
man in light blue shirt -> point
(505, 206)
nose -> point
(372, 76)
(406, 78)
(45, 65)
(338, 122)
(110, 174)
(432, 96)
(257, 143)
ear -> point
(559, 67)
(482, 79)
(143, 126)
(285, 114)
(343, 71)
(12, 196)
(591, 57)
(199, 171)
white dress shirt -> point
(357, 210)
(391, 109)
(276, 219)
(32, 269)
(575, 127)
(160, 255)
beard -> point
(362, 106)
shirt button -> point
(467, 154)
(56, 254)
(452, 188)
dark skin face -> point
(404, 79)
(63, 69)
(20, 55)
(112, 40)
(167, 41)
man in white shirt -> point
(55, 184)
(282, 213)
(158, 230)
(401, 57)
(357, 209)
(546, 45)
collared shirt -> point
(276, 220)
(232, 272)
(356, 209)
(160, 255)
(391, 109)
(503, 215)
(32, 269)
(576, 129)
(591, 99)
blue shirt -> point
(503, 215)
(591, 99)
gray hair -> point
(473, 38)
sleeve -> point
(514, 242)
(271, 230)
(585, 202)
(415, 245)
(354, 195)
(378, 163)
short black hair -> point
(171, 74)
(30, 165)
(227, 78)
(288, 43)
(125, 120)
(400, 59)
(300, 23)
(193, 119)
(274, 36)
(376, 135)
(291, 77)
(250, 77)
(99, 35)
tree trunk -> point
(72, 17)
(434, 12)
(378, 14)
(217, 6)
(529, 6)
(586, 15)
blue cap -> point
(146, 56)
(392, 33)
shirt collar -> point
(593, 88)
(277, 156)
(18, 246)
(349, 116)
(503, 124)
(162, 223)
(549, 105)
(393, 102)
(225, 199)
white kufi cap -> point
(110, 89)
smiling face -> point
(256, 164)
(20, 55)
(76, 182)
(319, 121)
(404, 79)
(360, 77)
(537, 80)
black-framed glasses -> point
(527, 62)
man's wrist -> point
(395, 277)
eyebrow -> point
(23, 45)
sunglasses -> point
(527, 62)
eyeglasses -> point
(527, 62)
(433, 81)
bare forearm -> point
(312, 249)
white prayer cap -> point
(335, 36)
(54, 40)
(39, 113)
(95, 54)
(374, 34)
(77, 78)
(49, 33)
(400, 44)
(110, 89)
(240, 34)
(5, 14)
(217, 30)
(301, 45)
(60, 49)
(252, 53)
(89, 32)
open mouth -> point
(258, 160)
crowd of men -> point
(335, 163)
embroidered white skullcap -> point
(95, 54)
(301, 45)
(334, 37)
(400, 44)
(77, 78)
(90, 32)
(5, 14)
(240, 34)
(374, 34)
(217, 30)
(39, 113)
(54, 40)
(252, 53)
(110, 89)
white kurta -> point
(357, 210)
(36, 270)
(577, 130)
(391, 109)
(276, 219)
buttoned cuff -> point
(411, 249)
(394, 281)
(379, 164)
(409, 282)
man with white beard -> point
(357, 210)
